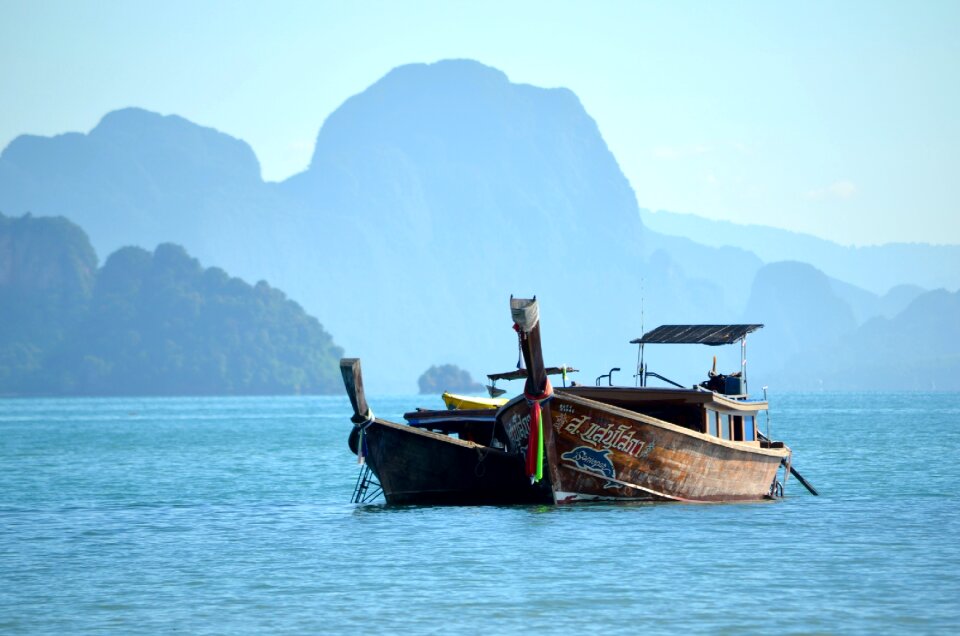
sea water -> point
(232, 516)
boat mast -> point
(640, 375)
(743, 363)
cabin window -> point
(748, 428)
(737, 428)
(724, 426)
(712, 422)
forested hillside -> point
(145, 323)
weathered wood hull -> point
(416, 466)
(600, 452)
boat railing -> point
(608, 376)
(649, 373)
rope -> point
(543, 397)
(362, 422)
(365, 420)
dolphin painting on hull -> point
(593, 461)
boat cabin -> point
(696, 409)
(719, 406)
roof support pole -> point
(743, 362)
(639, 376)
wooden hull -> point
(416, 466)
(601, 452)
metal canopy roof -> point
(696, 334)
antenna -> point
(767, 411)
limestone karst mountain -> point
(431, 197)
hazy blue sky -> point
(837, 118)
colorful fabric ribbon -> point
(535, 443)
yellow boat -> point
(460, 402)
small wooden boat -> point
(438, 457)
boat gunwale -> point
(416, 430)
(424, 418)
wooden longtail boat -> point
(640, 443)
(438, 457)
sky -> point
(839, 119)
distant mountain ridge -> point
(136, 176)
(916, 350)
(431, 196)
(874, 268)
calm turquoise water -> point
(231, 516)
